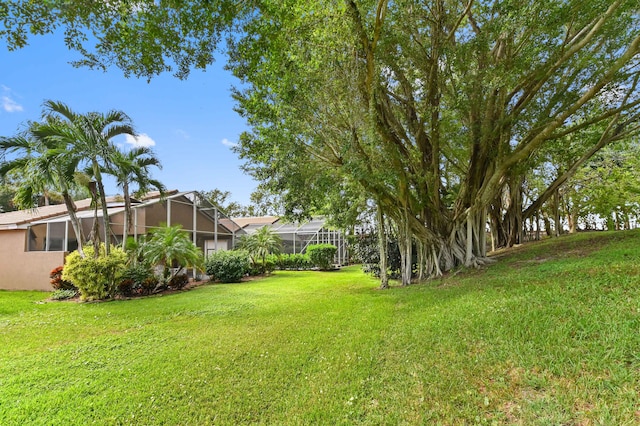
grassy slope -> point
(549, 335)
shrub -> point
(149, 284)
(177, 282)
(259, 268)
(291, 261)
(95, 277)
(133, 279)
(57, 282)
(169, 245)
(227, 266)
(322, 255)
(364, 249)
(63, 294)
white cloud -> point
(181, 133)
(227, 142)
(7, 102)
(10, 105)
(142, 140)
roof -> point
(12, 220)
(261, 220)
(252, 224)
(58, 213)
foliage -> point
(228, 266)
(132, 168)
(364, 249)
(57, 282)
(322, 255)
(144, 38)
(263, 242)
(438, 125)
(149, 285)
(178, 282)
(137, 279)
(297, 261)
(547, 336)
(41, 163)
(170, 245)
(87, 139)
(63, 294)
(221, 199)
(97, 277)
(260, 268)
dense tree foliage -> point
(436, 111)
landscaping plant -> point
(259, 245)
(228, 266)
(322, 255)
(170, 246)
(97, 277)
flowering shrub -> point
(57, 282)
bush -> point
(291, 261)
(227, 266)
(149, 284)
(178, 282)
(322, 255)
(133, 280)
(63, 294)
(364, 249)
(95, 277)
(258, 268)
(57, 282)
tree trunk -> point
(127, 213)
(405, 243)
(556, 213)
(75, 223)
(105, 212)
(469, 249)
(382, 247)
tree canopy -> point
(435, 111)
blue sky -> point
(191, 124)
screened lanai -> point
(209, 228)
(297, 236)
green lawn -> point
(548, 335)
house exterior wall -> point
(25, 270)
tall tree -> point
(43, 163)
(132, 168)
(88, 136)
(395, 93)
(222, 199)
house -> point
(33, 242)
(297, 236)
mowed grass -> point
(548, 335)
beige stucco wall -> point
(21, 270)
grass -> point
(548, 335)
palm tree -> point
(88, 136)
(132, 167)
(170, 244)
(44, 164)
(260, 244)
